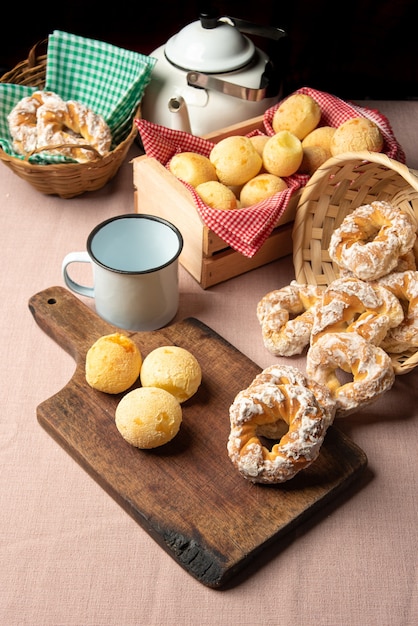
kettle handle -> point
(209, 21)
(205, 81)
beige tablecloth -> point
(71, 556)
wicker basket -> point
(64, 179)
(341, 185)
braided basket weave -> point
(341, 185)
(62, 179)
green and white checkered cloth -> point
(109, 80)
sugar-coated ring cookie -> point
(44, 120)
(261, 406)
(371, 239)
(74, 124)
(405, 262)
(22, 119)
(370, 367)
(286, 316)
(353, 305)
(404, 337)
(280, 374)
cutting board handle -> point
(67, 320)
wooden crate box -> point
(208, 258)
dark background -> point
(356, 50)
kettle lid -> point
(212, 50)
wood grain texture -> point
(187, 495)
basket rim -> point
(410, 175)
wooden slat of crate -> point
(241, 128)
(229, 263)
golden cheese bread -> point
(235, 160)
(261, 187)
(320, 136)
(173, 369)
(312, 159)
(148, 417)
(113, 363)
(355, 135)
(298, 114)
(217, 195)
(283, 154)
(192, 167)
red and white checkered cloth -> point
(247, 229)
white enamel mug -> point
(135, 271)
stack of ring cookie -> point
(375, 298)
(370, 313)
(382, 251)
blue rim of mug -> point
(135, 216)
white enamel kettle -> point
(210, 75)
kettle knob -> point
(210, 20)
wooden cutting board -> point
(187, 495)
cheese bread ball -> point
(313, 158)
(113, 363)
(192, 167)
(299, 114)
(235, 160)
(321, 136)
(355, 135)
(259, 141)
(173, 369)
(217, 195)
(261, 187)
(148, 417)
(282, 154)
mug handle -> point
(76, 257)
